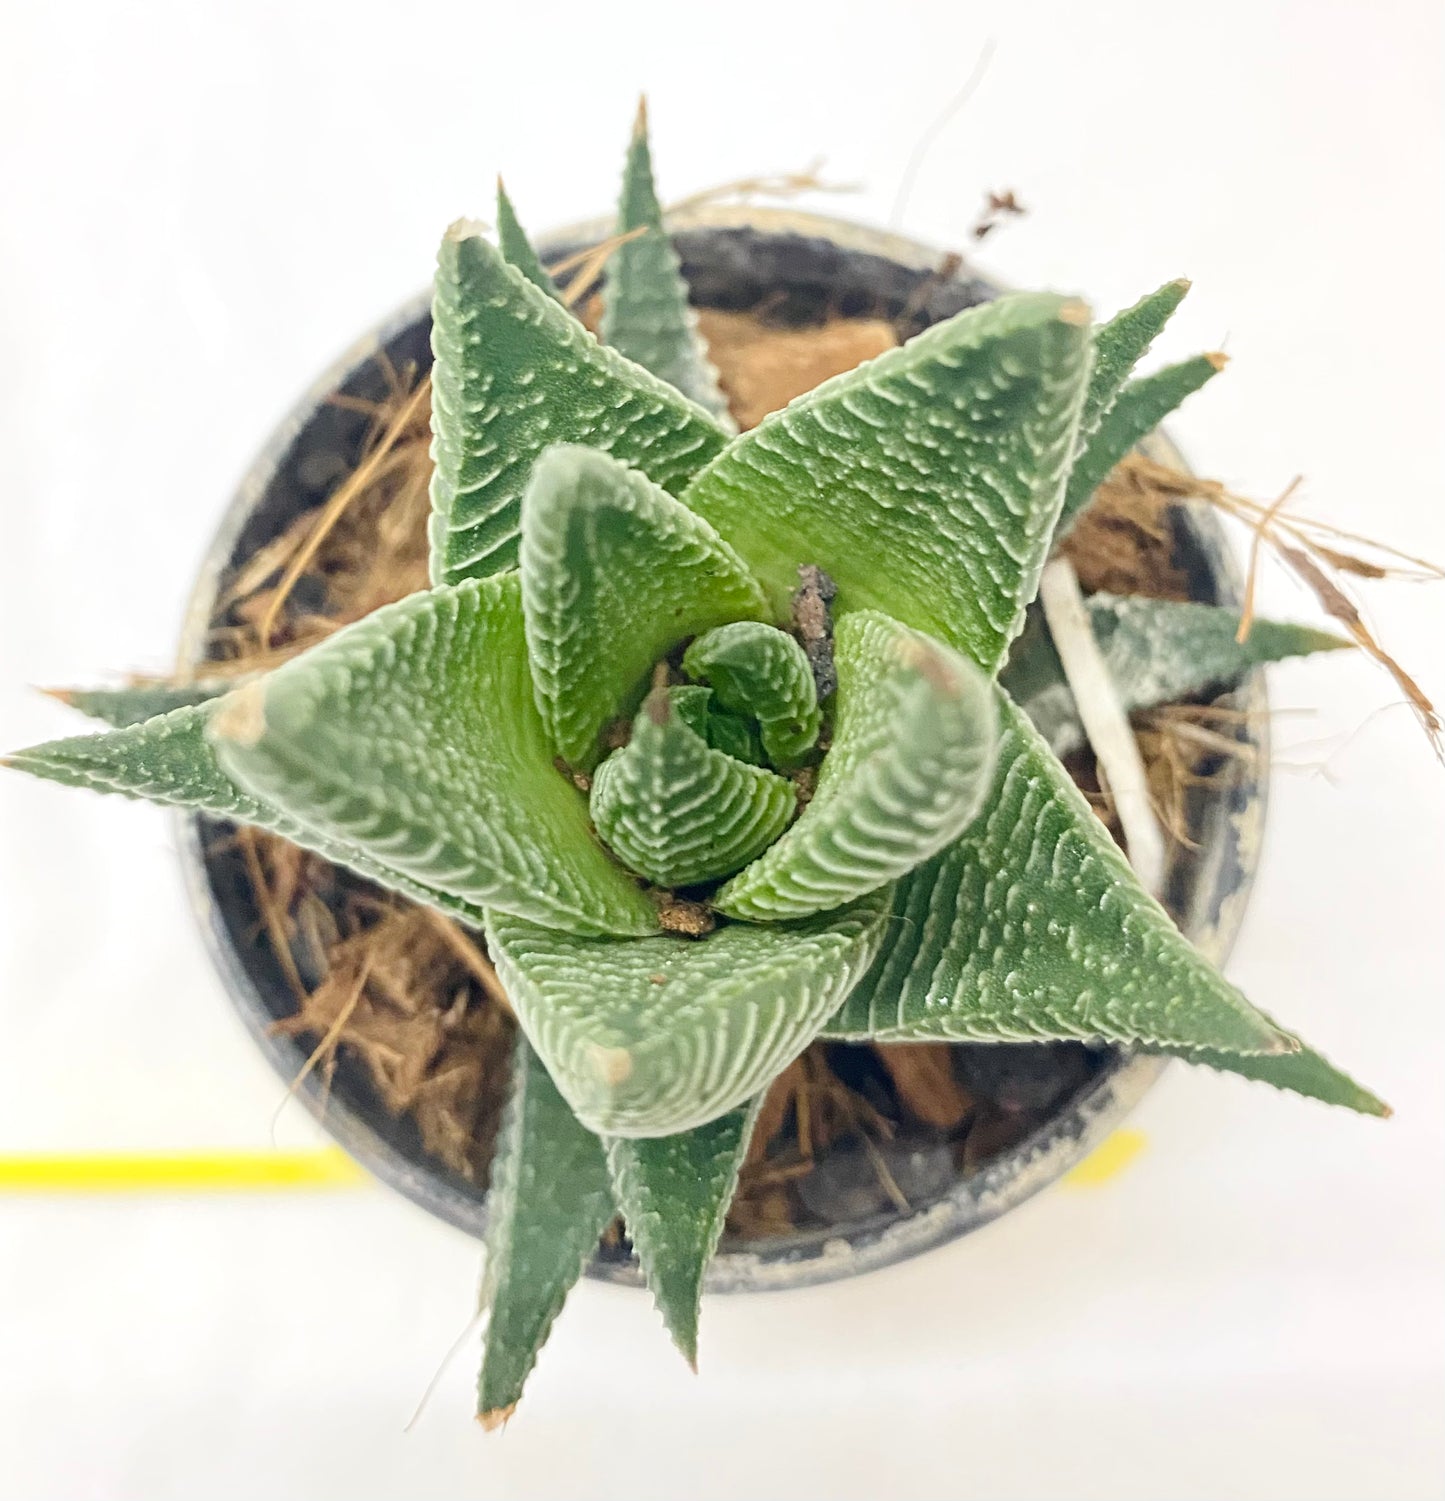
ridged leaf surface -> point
(679, 812)
(1032, 926)
(912, 757)
(1138, 409)
(1157, 652)
(550, 1199)
(656, 1036)
(615, 573)
(674, 1193)
(170, 760)
(414, 735)
(517, 249)
(1305, 1073)
(762, 672)
(514, 373)
(1119, 344)
(926, 482)
(138, 702)
(645, 312)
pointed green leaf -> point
(1119, 345)
(645, 313)
(550, 1200)
(413, 734)
(925, 482)
(735, 736)
(911, 760)
(659, 1035)
(1157, 652)
(170, 760)
(757, 670)
(674, 1193)
(1305, 1073)
(691, 704)
(1140, 407)
(724, 731)
(679, 812)
(515, 372)
(615, 573)
(517, 249)
(1032, 926)
(138, 702)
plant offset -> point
(727, 743)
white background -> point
(202, 204)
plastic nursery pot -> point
(799, 266)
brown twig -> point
(272, 915)
(476, 962)
(354, 485)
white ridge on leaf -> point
(679, 812)
(658, 1035)
(414, 735)
(1032, 927)
(926, 482)
(645, 311)
(615, 573)
(514, 373)
(912, 755)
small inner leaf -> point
(1139, 408)
(679, 812)
(514, 373)
(760, 671)
(550, 1200)
(615, 573)
(663, 1034)
(911, 759)
(645, 308)
(674, 1193)
(1032, 926)
(414, 735)
(731, 733)
(926, 482)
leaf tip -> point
(1075, 311)
(465, 229)
(639, 120)
(496, 1417)
(1218, 359)
(918, 655)
(1181, 284)
(613, 1066)
(241, 715)
(64, 696)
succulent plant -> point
(708, 735)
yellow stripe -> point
(177, 1172)
(329, 1167)
(1107, 1160)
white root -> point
(1105, 721)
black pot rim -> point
(808, 1257)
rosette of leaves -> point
(598, 739)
